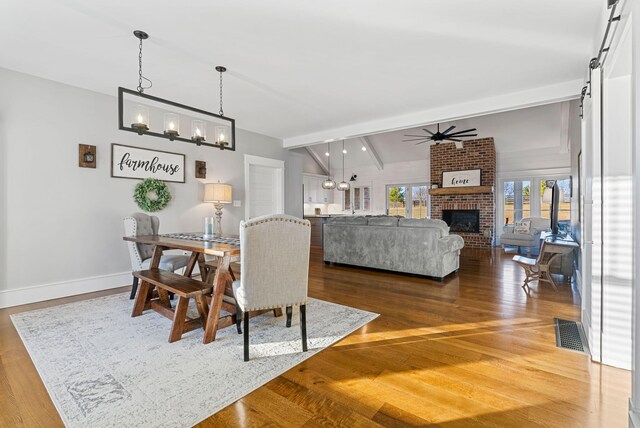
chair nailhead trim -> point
(290, 220)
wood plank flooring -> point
(471, 351)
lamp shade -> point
(547, 195)
(218, 193)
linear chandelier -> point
(163, 118)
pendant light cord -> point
(221, 110)
(140, 76)
(343, 160)
(329, 167)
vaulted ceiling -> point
(519, 131)
(300, 70)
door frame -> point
(278, 165)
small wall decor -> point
(469, 177)
(138, 163)
(201, 169)
(86, 156)
(151, 195)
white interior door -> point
(264, 186)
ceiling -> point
(300, 67)
(542, 127)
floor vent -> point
(569, 335)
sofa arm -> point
(450, 243)
(508, 228)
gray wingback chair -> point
(140, 224)
(527, 240)
(275, 269)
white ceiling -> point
(300, 67)
(542, 127)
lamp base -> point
(218, 207)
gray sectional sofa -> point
(418, 246)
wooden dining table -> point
(215, 274)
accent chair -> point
(530, 239)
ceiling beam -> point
(516, 100)
(318, 160)
(375, 158)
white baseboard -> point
(56, 290)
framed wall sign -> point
(138, 163)
(469, 177)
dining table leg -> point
(219, 283)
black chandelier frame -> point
(121, 124)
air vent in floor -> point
(569, 335)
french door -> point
(408, 200)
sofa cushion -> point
(383, 221)
(357, 220)
(425, 222)
(336, 220)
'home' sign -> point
(470, 177)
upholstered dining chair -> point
(275, 269)
(140, 224)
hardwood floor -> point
(474, 350)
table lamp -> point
(218, 194)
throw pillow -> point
(522, 227)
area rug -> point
(103, 368)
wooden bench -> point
(184, 287)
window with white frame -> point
(408, 200)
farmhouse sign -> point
(138, 163)
(470, 177)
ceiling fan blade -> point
(460, 136)
(421, 142)
(411, 135)
(462, 132)
(448, 129)
(453, 139)
(417, 139)
(426, 130)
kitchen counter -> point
(322, 215)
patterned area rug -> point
(103, 368)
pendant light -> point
(343, 185)
(329, 184)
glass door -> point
(408, 200)
(517, 200)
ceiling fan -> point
(438, 137)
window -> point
(517, 200)
(408, 200)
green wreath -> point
(159, 192)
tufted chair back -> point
(275, 262)
(140, 224)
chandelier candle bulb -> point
(140, 119)
(171, 125)
(198, 133)
(221, 136)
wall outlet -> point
(237, 203)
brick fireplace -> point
(476, 154)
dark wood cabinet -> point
(316, 230)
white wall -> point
(61, 223)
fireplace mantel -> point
(467, 190)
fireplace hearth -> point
(467, 221)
